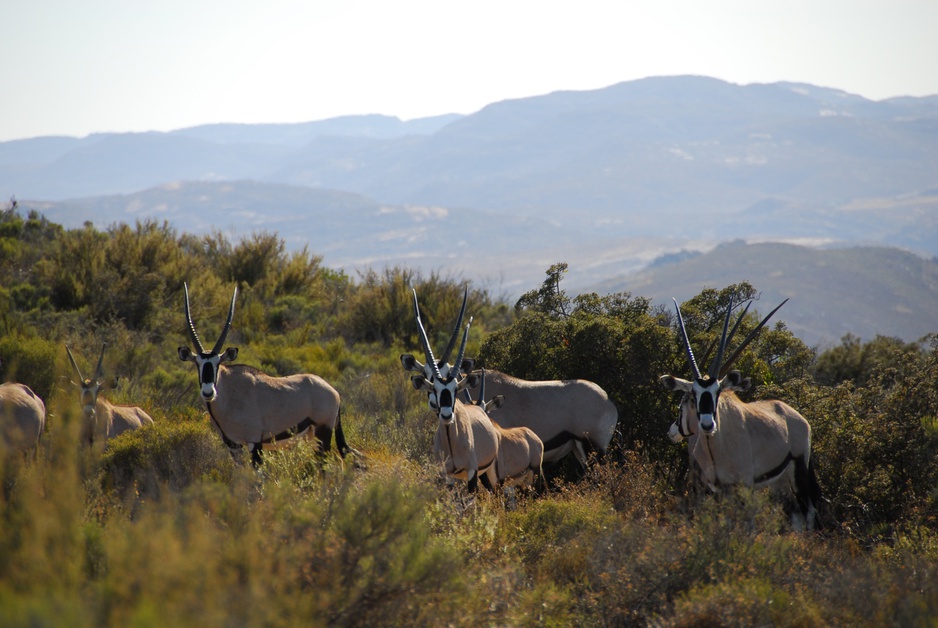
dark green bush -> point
(29, 360)
(165, 456)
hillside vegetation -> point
(164, 527)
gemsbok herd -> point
(491, 427)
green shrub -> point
(166, 455)
(29, 360)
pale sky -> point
(74, 67)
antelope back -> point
(22, 417)
(551, 408)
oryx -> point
(466, 440)
(520, 452)
(567, 415)
(22, 417)
(470, 443)
(103, 419)
(253, 409)
(763, 443)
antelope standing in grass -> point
(103, 419)
(520, 452)
(569, 416)
(22, 418)
(470, 444)
(253, 409)
(466, 440)
(758, 444)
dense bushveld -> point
(164, 527)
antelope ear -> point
(734, 381)
(419, 382)
(467, 365)
(185, 354)
(495, 402)
(473, 379)
(674, 433)
(109, 383)
(230, 355)
(410, 363)
(675, 383)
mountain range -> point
(608, 180)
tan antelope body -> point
(470, 443)
(260, 411)
(22, 417)
(468, 446)
(567, 415)
(758, 444)
(520, 451)
(103, 419)
(253, 407)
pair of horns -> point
(718, 368)
(425, 342)
(224, 332)
(98, 371)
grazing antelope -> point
(253, 409)
(103, 419)
(22, 418)
(569, 416)
(758, 444)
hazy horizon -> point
(104, 66)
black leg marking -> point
(486, 482)
(340, 443)
(324, 436)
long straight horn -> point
(71, 359)
(482, 389)
(715, 365)
(444, 359)
(729, 338)
(224, 332)
(99, 370)
(192, 333)
(424, 341)
(462, 349)
(729, 362)
(690, 352)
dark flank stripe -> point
(777, 471)
(304, 425)
(558, 441)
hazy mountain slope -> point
(668, 144)
(630, 159)
(116, 163)
(298, 134)
(860, 290)
(352, 232)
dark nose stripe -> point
(208, 374)
(705, 403)
(446, 398)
